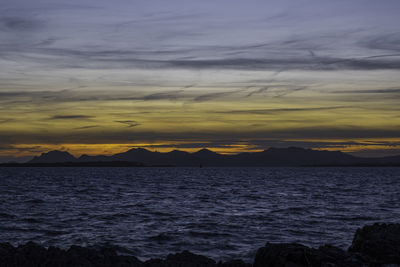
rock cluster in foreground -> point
(375, 245)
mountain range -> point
(292, 156)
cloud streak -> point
(282, 110)
(372, 91)
(110, 136)
(129, 123)
(18, 24)
(212, 96)
(124, 59)
(70, 117)
(86, 127)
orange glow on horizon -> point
(348, 146)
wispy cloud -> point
(171, 95)
(70, 117)
(258, 91)
(382, 41)
(212, 96)
(19, 24)
(87, 127)
(3, 121)
(372, 91)
(281, 110)
(129, 123)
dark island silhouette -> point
(140, 157)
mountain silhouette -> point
(292, 156)
(53, 157)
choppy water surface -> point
(218, 212)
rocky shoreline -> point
(373, 245)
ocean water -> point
(218, 212)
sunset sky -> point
(100, 77)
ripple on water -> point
(151, 212)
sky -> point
(101, 77)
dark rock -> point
(188, 259)
(339, 256)
(283, 255)
(80, 256)
(6, 249)
(33, 255)
(298, 255)
(234, 263)
(183, 259)
(154, 263)
(55, 257)
(7, 252)
(30, 254)
(192, 260)
(377, 244)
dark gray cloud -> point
(275, 60)
(4, 121)
(19, 24)
(171, 95)
(258, 91)
(158, 18)
(47, 42)
(281, 110)
(70, 117)
(368, 153)
(129, 123)
(274, 90)
(290, 90)
(387, 41)
(298, 63)
(81, 96)
(125, 135)
(86, 127)
(212, 96)
(14, 94)
(372, 91)
(28, 148)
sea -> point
(222, 213)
